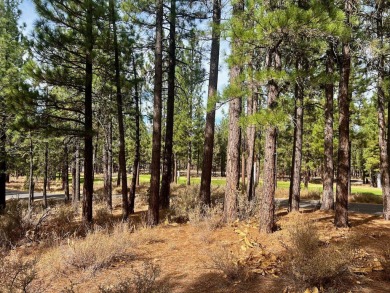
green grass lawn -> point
(218, 181)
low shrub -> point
(143, 280)
(98, 249)
(367, 198)
(229, 264)
(103, 216)
(17, 275)
(14, 222)
(311, 262)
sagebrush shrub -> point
(310, 262)
(14, 222)
(17, 275)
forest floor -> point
(190, 253)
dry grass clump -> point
(17, 275)
(184, 202)
(367, 198)
(228, 263)
(103, 216)
(14, 222)
(311, 194)
(57, 224)
(210, 217)
(97, 250)
(143, 280)
(247, 209)
(311, 262)
(186, 207)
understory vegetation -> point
(43, 250)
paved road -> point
(362, 208)
(16, 194)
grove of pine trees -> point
(118, 88)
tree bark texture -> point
(108, 165)
(88, 126)
(153, 210)
(295, 179)
(251, 139)
(121, 128)
(383, 138)
(205, 183)
(234, 136)
(31, 175)
(66, 173)
(167, 169)
(328, 175)
(44, 195)
(137, 141)
(341, 215)
(3, 162)
(267, 200)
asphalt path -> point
(362, 208)
(16, 194)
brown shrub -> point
(17, 275)
(103, 216)
(229, 264)
(311, 262)
(143, 280)
(96, 251)
(14, 222)
(367, 198)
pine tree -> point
(205, 184)
(154, 198)
(234, 135)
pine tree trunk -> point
(108, 166)
(78, 167)
(31, 176)
(234, 136)
(328, 175)
(205, 182)
(251, 139)
(154, 199)
(66, 173)
(45, 175)
(189, 153)
(267, 200)
(138, 172)
(3, 162)
(88, 126)
(74, 174)
(135, 174)
(110, 171)
(121, 128)
(167, 173)
(243, 161)
(295, 180)
(175, 169)
(341, 215)
(119, 177)
(383, 138)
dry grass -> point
(311, 262)
(200, 254)
(98, 250)
(143, 280)
(17, 274)
(14, 223)
(366, 198)
(228, 263)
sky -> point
(29, 16)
